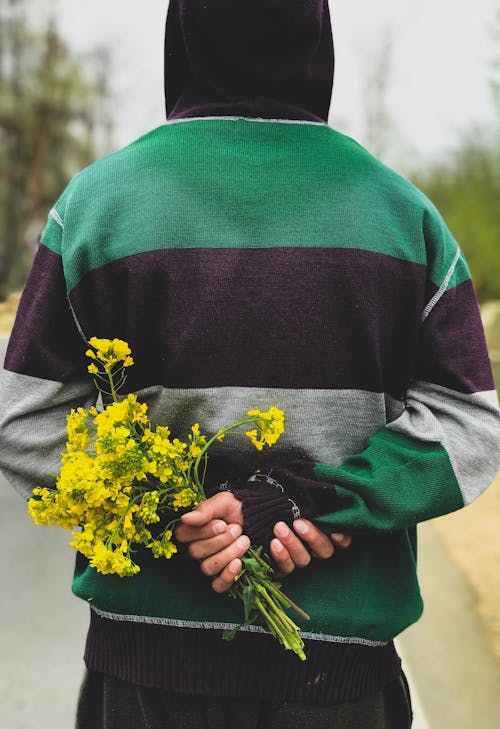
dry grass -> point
(8, 311)
(472, 537)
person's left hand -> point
(214, 532)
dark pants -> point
(106, 703)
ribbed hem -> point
(261, 510)
(198, 661)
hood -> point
(256, 58)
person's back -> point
(252, 262)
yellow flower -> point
(185, 497)
(110, 352)
(164, 548)
(194, 450)
(93, 369)
(270, 424)
(252, 434)
(108, 561)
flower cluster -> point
(271, 425)
(123, 482)
(119, 477)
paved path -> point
(448, 652)
(454, 677)
(42, 625)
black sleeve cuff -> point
(281, 493)
(262, 508)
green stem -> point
(122, 517)
(287, 601)
(209, 444)
(113, 393)
(272, 622)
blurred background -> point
(418, 83)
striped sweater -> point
(252, 263)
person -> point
(253, 256)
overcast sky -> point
(439, 79)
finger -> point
(281, 556)
(216, 563)
(298, 552)
(200, 516)
(342, 540)
(206, 547)
(226, 579)
(319, 543)
(218, 506)
(185, 533)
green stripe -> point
(222, 183)
(369, 591)
(442, 251)
(52, 236)
(395, 483)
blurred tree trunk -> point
(53, 114)
(376, 84)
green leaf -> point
(230, 634)
(248, 597)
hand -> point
(214, 534)
(289, 551)
(223, 506)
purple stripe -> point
(197, 661)
(285, 318)
(452, 351)
(45, 341)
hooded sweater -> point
(251, 262)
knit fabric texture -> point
(255, 263)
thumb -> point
(213, 508)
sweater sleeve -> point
(441, 452)
(44, 372)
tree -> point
(376, 85)
(51, 117)
(466, 189)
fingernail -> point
(281, 529)
(235, 530)
(300, 527)
(243, 542)
(338, 537)
(220, 527)
(235, 567)
(277, 546)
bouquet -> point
(124, 483)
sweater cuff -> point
(262, 509)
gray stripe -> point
(248, 119)
(468, 426)
(227, 626)
(33, 427)
(324, 425)
(55, 215)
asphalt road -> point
(454, 677)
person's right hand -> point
(292, 549)
(289, 551)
